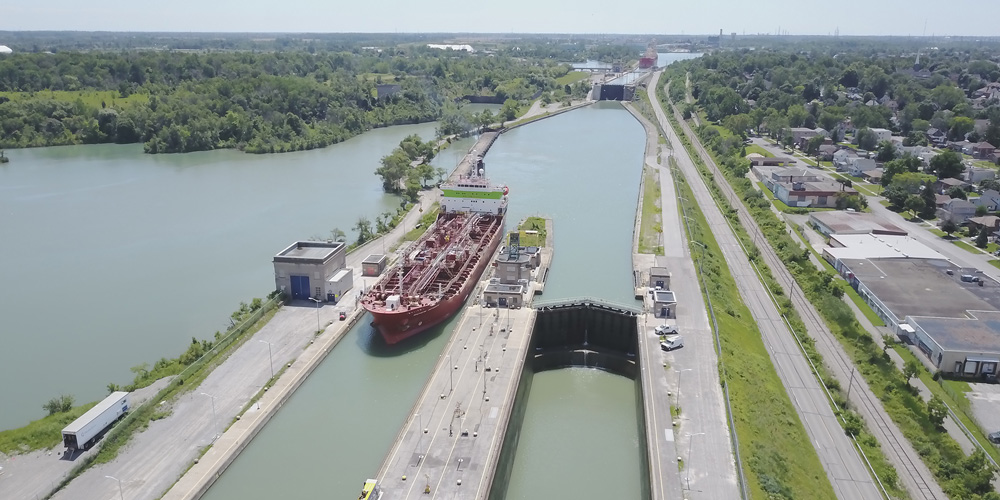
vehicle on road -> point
(672, 343)
(83, 432)
(371, 490)
(343, 315)
(994, 437)
(665, 330)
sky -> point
(794, 17)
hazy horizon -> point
(641, 17)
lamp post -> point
(317, 301)
(679, 373)
(451, 373)
(687, 467)
(121, 492)
(215, 420)
(269, 358)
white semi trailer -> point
(83, 432)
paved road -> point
(843, 465)
(915, 476)
(692, 380)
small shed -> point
(339, 284)
(504, 295)
(373, 265)
(659, 278)
(664, 304)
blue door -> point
(300, 287)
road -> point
(914, 475)
(692, 381)
(843, 465)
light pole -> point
(317, 301)
(451, 373)
(269, 358)
(679, 373)
(121, 492)
(215, 419)
(687, 466)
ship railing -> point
(577, 301)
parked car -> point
(343, 315)
(665, 330)
(672, 343)
(994, 437)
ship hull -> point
(398, 326)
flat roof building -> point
(845, 247)
(842, 222)
(303, 268)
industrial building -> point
(313, 270)
(846, 247)
(659, 278)
(842, 222)
(951, 314)
(503, 295)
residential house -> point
(983, 151)
(384, 90)
(872, 176)
(988, 223)
(855, 166)
(944, 185)
(989, 199)
(842, 157)
(990, 91)
(957, 210)
(883, 134)
(940, 200)
(826, 152)
(845, 127)
(975, 175)
(822, 194)
(937, 137)
(964, 147)
(800, 134)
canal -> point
(582, 169)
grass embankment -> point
(650, 226)
(769, 430)
(753, 148)
(960, 477)
(40, 434)
(967, 247)
(425, 222)
(571, 77)
(90, 98)
(537, 237)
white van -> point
(672, 343)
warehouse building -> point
(951, 314)
(844, 247)
(843, 222)
(313, 269)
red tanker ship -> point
(441, 269)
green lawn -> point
(571, 77)
(650, 227)
(937, 232)
(753, 148)
(768, 427)
(536, 239)
(43, 433)
(91, 98)
(965, 246)
(995, 263)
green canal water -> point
(581, 168)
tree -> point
(981, 210)
(949, 226)
(930, 201)
(485, 119)
(915, 204)
(989, 184)
(896, 195)
(509, 110)
(911, 369)
(60, 404)
(867, 139)
(947, 164)
(738, 124)
(886, 152)
(364, 228)
(336, 234)
(947, 96)
(960, 126)
(812, 146)
(936, 411)
(982, 239)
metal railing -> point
(573, 301)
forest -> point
(174, 101)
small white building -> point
(883, 134)
(304, 269)
(664, 304)
(857, 166)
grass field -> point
(753, 148)
(425, 222)
(537, 239)
(995, 263)
(768, 427)
(91, 98)
(965, 246)
(43, 433)
(571, 77)
(651, 225)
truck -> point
(83, 432)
